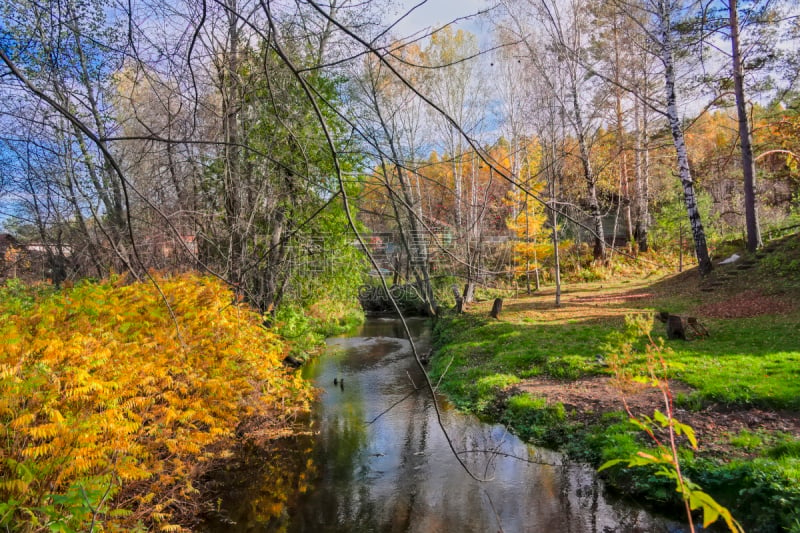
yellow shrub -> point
(113, 402)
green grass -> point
(750, 361)
(532, 417)
(487, 348)
(746, 362)
(747, 440)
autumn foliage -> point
(114, 404)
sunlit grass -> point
(744, 363)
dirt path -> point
(588, 398)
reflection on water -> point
(398, 474)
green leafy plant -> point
(531, 416)
(662, 428)
(307, 327)
(747, 440)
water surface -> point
(381, 463)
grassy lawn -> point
(744, 361)
(747, 361)
(749, 364)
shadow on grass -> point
(746, 361)
(749, 362)
(563, 351)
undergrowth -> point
(113, 408)
(306, 328)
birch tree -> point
(658, 21)
(562, 40)
(665, 14)
(386, 122)
(454, 84)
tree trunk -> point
(230, 88)
(641, 160)
(469, 291)
(497, 308)
(620, 134)
(413, 236)
(526, 212)
(554, 222)
(599, 251)
(459, 300)
(690, 199)
(748, 164)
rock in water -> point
(292, 361)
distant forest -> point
(290, 148)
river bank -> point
(380, 459)
(116, 407)
(548, 374)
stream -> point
(380, 462)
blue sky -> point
(434, 13)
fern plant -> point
(113, 404)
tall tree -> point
(619, 55)
(657, 20)
(63, 55)
(665, 12)
(454, 85)
(563, 39)
(528, 219)
(745, 133)
(386, 123)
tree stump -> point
(459, 301)
(675, 328)
(292, 362)
(496, 308)
(698, 328)
(469, 292)
(679, 327)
